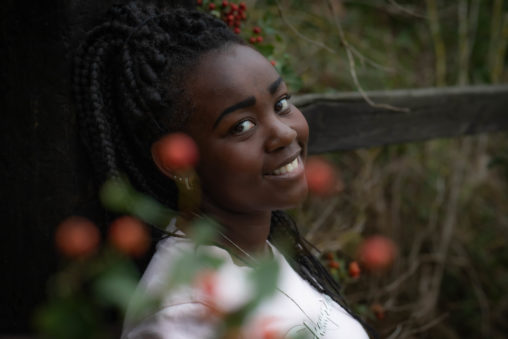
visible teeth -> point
(287, 168)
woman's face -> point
(252, 141)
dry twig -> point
(439, 47)
(406, 10)
(352, 65)
(427, 326)
(320, 44)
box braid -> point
(128, 77)
(127, 86)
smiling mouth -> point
(288, 168)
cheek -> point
(231, 179)
(227, 166)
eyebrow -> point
(274, 86)
(250, 101)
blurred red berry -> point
(270, 334)
(237, 23)
(211, 6)
(130, 236)
(224, 4)
(177, 152)
(77, 237)
(273, 62)
(321, 177)
(234, 7)
(333, 264)
(206, 282)
(259, 39)
(264, 328)
(252, 40)
(242, 6)
(377, 253)
(378, 310)
(256, 30)
(237, 30)
(200, 2)
(354, 269)
(231, 17)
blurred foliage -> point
(411, 194)
(444, 202)
(90, 296)
(393, 39)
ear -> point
(157, 158)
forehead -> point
(224, 77)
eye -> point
(242, 127)
(282, 105)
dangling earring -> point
(189, 197)
(188, 183)
(180, 181)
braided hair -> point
(127, 85)
(127, 77)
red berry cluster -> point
(336, 266)
(332, 261)
(256, 36)
(231, 13)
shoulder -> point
(166, 256)
(165, 282)
(159, 306)
(172, 256)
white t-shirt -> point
(295, 310)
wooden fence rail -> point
(343, 121)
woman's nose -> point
(280, 134)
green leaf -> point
(264, 277)
(68, 318)
(116, 286)
(204, 231)
(189, 264)
(150, 210)
(119, 196)
(266, 50)
(115, 194)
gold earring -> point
(188, 183)
(180, 181)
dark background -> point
(45, 175)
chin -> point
(295, 199)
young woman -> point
(146, 72)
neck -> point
(242, 231)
